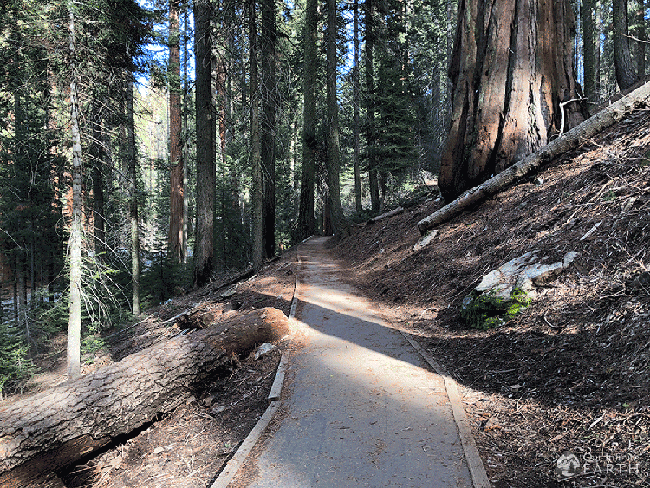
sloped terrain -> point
(189, 446)
(572, 371)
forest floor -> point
(572, 371)
(569, 373)
(190, 446)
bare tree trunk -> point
(133, 199)
(589, 128)
(269, 125)
(99, 228)
(306, 219)
(205, 147)
(373, 180)
(641, 36)
(625, 73)
(176, 244)
(76, 230)
(511, 68)
(339, 223)
(257, 193)
(356, 100)
(185, 130)
(589, 50)
(53, 429)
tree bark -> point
(257, 191)
(306, 219)
(607, 117)
(76, 229)
(51, 430)
(98, 155)
(356, 97)
(133, 199)
(641, 36)
(511, 67)
(340, 225)
(371, 139)
(269, 125)
(589, 50)
(205, 147)
(176, 244)
(625, 73)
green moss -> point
(488, 310)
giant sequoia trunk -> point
(512, 66)
(44, 433)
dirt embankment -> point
(572, 371)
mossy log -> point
(46, 432)
(572, 139)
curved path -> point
(364, 409)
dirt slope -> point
(572, 371)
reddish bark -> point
(512, 66)
(176, 234)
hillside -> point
(569, 373)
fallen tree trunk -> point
(386, 215)
(567, 142)
(51, 430)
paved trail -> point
(364, 409)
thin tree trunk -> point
(257, 192)
(339, 223)
(373, 180)
(99, 227)
(176, 244)
(625, 73)
(205, 147)
(76, 230)
(306, 219)
(589, 50)
(641, 36)
(133, 199)
(269, 124)
(185, 130)
(356, 101)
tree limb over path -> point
(48, 431)
(572, 139)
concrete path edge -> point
(238, 459)
(474, 462)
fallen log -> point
(53, 429)
(386, 215)
(572, 139)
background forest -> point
(146, 147)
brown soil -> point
(572, 371)
(569, 373)
(190, 446)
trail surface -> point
(363, 409)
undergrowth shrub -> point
(488, 310)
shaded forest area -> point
(150, 148)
